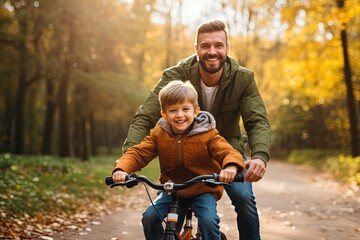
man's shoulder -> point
(181, 70)
(183, 63)
(236, 67)
(188, 61)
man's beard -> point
(211, 69)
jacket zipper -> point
(180, 150)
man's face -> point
(212, 49)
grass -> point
(42, 183)
(338, 163)
(31, 187)
(33, 184)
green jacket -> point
(238, 96)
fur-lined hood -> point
(202, 123)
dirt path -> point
(294, 203)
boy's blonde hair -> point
(178, 91)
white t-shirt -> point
(208, 95)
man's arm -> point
(148, 113)
(258, 130)
(145, 119)
(256, 122)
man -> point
(229, 92)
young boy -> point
(188, 145)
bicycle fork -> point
(171, 232)
(187, 233)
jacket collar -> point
(202, 123)
(190, 66)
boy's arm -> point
(138, 156)
(229, 158)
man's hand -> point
(256, 170)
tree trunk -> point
(168, 35)
(80, 137)
(352, 110)
(49, 117)
(85, 153)
(64, 141)
(21, 91)
(82, 130)
(24, 83)
(6, 126)
(93, 140)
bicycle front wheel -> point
(170, 237)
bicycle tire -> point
(222, 237)
(169, 237)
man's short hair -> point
(211, 26)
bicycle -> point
(170, 188)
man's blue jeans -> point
(243, 199)
(203, 205)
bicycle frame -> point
(172, 223)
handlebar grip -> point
(238, 178)
(109, 180)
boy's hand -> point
(228, 173)
(119, 176)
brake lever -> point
(131, 183)
(212, 183)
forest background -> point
(73, 73)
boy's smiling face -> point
(180, 116)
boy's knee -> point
(148, 215)
(209, 221)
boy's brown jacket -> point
(182, 157)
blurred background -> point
(73, 73)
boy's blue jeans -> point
(203, 205)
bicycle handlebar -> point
(210, 180)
